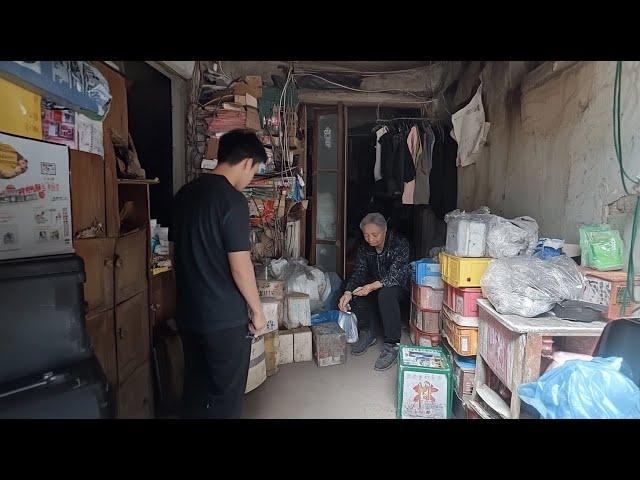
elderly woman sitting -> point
(378, 285)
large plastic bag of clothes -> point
(299, 277)
(347, 321)
(528, 286)
(510, 238)
(596, 389)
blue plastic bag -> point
(579, 389)
(324, 317)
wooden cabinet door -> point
(102, 332)
(135, 395)
(97, 254)
(163, 297)
(131, 265)
(87, 189)
(132, 335)
(117, 122)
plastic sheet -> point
(596, 389)
(467, 232)
(528, 286)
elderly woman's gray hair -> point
(375, 219)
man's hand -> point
(258, 322)
(344, 301)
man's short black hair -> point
(237, 145)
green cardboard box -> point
(425, 386)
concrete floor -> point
(349, 391)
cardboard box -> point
(271, 288)
(285, 347)
(247, 99)
(272, 308)
(298, 310)
(302, 345)
(427, 321)
(253, 119)
(257, 365)
(271, 352)
(212, 148)
(423, 339)
(464, 373)
(424, 383)
(252, 85)
(329, 344)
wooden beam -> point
(544, 73)
(349, 98)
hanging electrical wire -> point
(406, 92)
(629, 292)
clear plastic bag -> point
(467, 232)
(596, 389)
(347, 321)
(299, 277)
(510, 238)
(528, 286)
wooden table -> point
(511, 347)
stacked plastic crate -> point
(462, 266)
(427, 295)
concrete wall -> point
(550, 151)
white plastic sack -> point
(301, 278)
(528, 286)
(349, 323)
(510, 238)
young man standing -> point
(215, 280)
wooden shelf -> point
(132, 181)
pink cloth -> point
(407, 193)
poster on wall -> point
(35, 198)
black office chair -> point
(621, 338)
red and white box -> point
(426, 320)
(463, 301)
(427, 298)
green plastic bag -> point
(602, 247)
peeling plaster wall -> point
(550, 152)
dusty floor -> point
(351, 390)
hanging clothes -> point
(443, 179)
(415, 148)
(377, 169)
(423, 168)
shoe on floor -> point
(387, 358)
(365, 340)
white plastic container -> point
(466, 238)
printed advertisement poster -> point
(424, 395)
(35, 198)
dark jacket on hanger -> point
(397, 163)
(443, 179)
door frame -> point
(341, 113)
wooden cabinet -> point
(135, 395)
(131, 265)
(87, 189)
(101, 330)
(163, 297)
(98, 256)
(132, 334)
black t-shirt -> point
(211, 220)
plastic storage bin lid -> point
(465, 363)
(41, 266)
